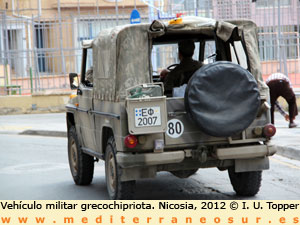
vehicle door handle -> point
(79, 91)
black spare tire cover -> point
(222, 98)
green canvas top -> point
(122, 54)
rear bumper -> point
(245, 152)
(129, 160)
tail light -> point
(269, 130)
(130, 141)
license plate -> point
(147, 117)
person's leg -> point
(289, 95)
(292, 108)
(273, 97)
(293, 112)
(272, 113)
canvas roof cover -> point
(122, 54)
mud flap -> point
(137, 173)
(247, 165)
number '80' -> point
(175, 128)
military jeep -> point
(121, 114)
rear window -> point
(167, 54)
(238, 54)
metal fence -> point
(37, 52)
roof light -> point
(175, 21)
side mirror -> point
(73, 81)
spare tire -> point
(222, 98)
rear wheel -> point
(245, 183)
(81, 164)
(115, 187)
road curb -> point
(48, 133)
(289, 152)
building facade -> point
(40, 39)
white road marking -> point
(33, 168)
(285, 161)
(7, 127)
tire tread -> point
(245, 183)
(125, 189)
(86, 162)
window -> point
(238, 54)
(224, 9)
(13, 41)
(243, 9)
(269, 42)
(272, 3)
(210, 52)
(190, 5)
(90, 27)
(290, 37)
(16, 51)
(193, 4)
(89, 58)
(177, 5)
(2, 41)
(166, 55)
(89, 68)
(291, 43)
(41, 36)
(163, 56)
(268, 46)
(204, 4)
(46, 40)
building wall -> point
(48, 8)
(44, 48)
(51, 40)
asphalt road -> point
(36, 167)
